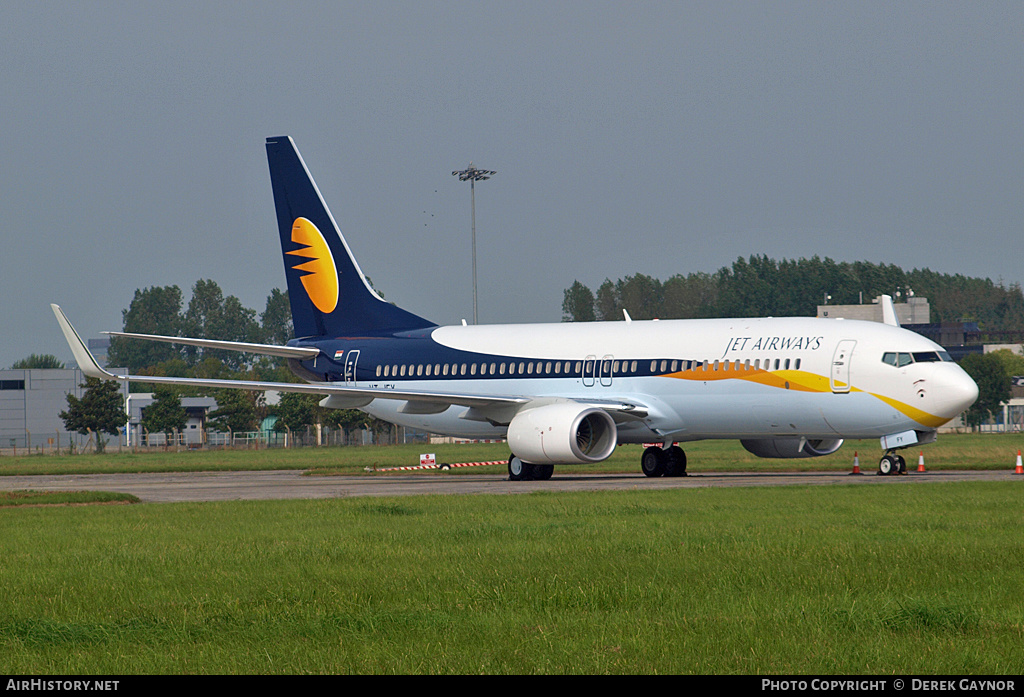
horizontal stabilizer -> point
(298, 352)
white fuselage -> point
(696, 379)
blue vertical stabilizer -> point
(329, 294)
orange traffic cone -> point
(856, 464)
(920, 462)
(1020, 467)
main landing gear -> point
(658, 462)
(519, 471)
(892, 464)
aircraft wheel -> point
(888, 465)
(519, 471)
(901, 465)
(543, 472)
(675, 462)
(652, 462)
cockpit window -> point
(901, 359)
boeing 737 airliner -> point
(569, 393)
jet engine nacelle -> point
(792, 447)
(562, 433)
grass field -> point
(953, 451)
(844, 579)
(837, 580)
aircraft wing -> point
(87, 363)
(424, 402)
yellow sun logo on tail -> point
(321, 277)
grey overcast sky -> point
(654, 137)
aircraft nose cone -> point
(958, 390)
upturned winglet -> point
(85, 360)
(889, 312)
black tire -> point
(516, 469)
(675, 463)
(888, 465)
(519, 471)
(652, 462)
(543, 473)
(901, 465)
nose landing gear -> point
(892, 464)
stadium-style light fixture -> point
(473, 175)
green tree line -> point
(209, 315)
(760, 286)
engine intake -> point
(562, 433)
(792, 447)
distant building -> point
(914, 311)
(196, 410)
(31, 401)
(958, 338)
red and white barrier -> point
(442, 466)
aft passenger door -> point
(840, 375)
(351, 359)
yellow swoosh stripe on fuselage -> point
(803, 381)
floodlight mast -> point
(473, 175)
